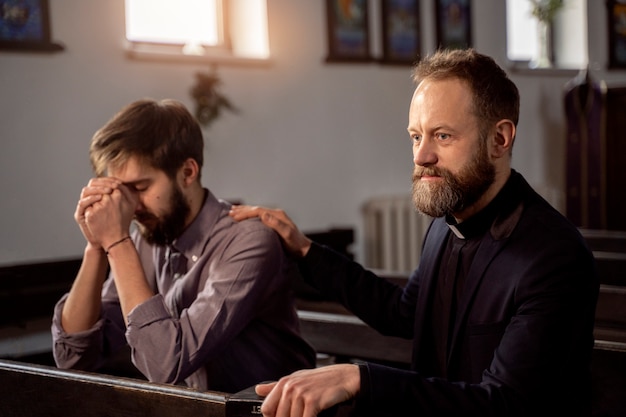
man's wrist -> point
(107, 249)
(92, 249)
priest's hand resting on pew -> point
(294, 240)
(307, 392)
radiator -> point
(393, 233)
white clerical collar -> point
(452, 224)
(456, 231)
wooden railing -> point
(28, 390)
(609, 249)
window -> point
(568, 35)
(205, 29)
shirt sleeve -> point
(240, 280)
(88, 350)
(375, 300)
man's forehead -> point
(133, 170)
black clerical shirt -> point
(461, 246)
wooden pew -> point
(610, 325)
(347, 338)
(35, 390)
(333, 330)
(29, 291)
(609, 250)
(28, 390)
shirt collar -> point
(478, 224)
(193, 240)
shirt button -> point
(194, 258)
(176, 275)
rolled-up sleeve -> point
(89, 349)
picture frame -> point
(401, 43)
(25, 26)
(453, 24)
(348, 31)
(616, 14)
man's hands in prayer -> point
(294, 240)
(105, 210)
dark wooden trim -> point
(35, 390)
(30, 291)
(605, 240)
(346, 336)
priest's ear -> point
(504, 136)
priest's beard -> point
(168, 227)
(456, 192)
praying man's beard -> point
(454, 193)
(170, 226)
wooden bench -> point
(35, 390)
(609, 250)
(29, 291)
(28, 390)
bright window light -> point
(521, 40)
(224, 30)
(249, 28)
(173, 21)
(569, 33)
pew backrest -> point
(36, 390)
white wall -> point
(313, 138)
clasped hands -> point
(105, 210)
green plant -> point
(545, 10)
(209, 101)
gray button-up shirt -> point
(223, 317)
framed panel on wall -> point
(348, 31)
(617, 33)
(453, 23)
(25, 26)
(401, 31)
